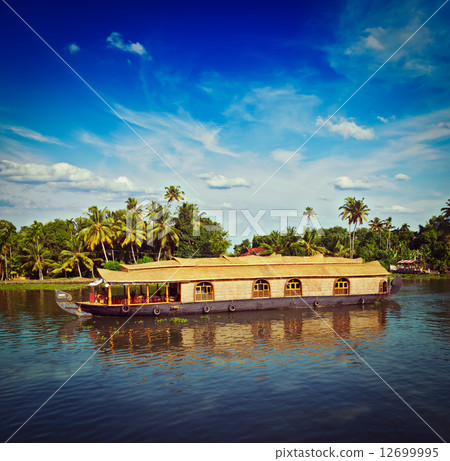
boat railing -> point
(120, 300)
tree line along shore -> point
(65, 249)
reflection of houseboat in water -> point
(231, 335)
(203, 285)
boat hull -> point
(206, 307)
(227, 306)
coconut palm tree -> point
(36, 258)
(74, 255)
(173, 193)
(346, 214)
(355, 211)
(376, 225)
(359, 212)
(7, 231)
(446, 211)
(4, 258)
(274, 245)
(309, 213)
(310, 243)
(337, 248)
(133, 229)
(388, 226)
(99, 229)
(161, 228)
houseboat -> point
(228, 284)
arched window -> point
(261, 289)
(293, 288)
(204, 291)
(383, 286)
(342, 286)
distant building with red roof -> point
(253, 251)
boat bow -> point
(64, 301)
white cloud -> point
(346, 183)
(116, 41)
(372, 42)
(402, 177)
(283, 155)
(180, 127)
(205, 175)
(347, 128)
(74, 48)
(222, 182)
(30, 134)
(382, 119)
(281, 108)
(61, 175)
(401, 210)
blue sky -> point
(215, 97)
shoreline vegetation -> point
(77, 283)
(143, 232)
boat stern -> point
(396, 285)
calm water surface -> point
(281, 376)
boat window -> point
(383, 286)
(342, 287)
(293, 288)
(204, 291)
(261, 289)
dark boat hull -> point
(207, 307)
(227, 306)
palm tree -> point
(99, 230)
(376, 225)
(309, 213)
(7, 231)
(337, 248)
(311, 243)
(173, 193)
(161, 227)
(388, 226)
(274, 245)
(37, 258)
(359, 212)
(134, 226)
(4, 257)
(346, 214)
(74, 255)
(446, 211)
(134, 231)
(355, 212)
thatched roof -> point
(236, 268)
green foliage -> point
(112, 265)
(198, 236)
(242, 247)
(78, 246)
(144, 260)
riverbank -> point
(81, 282)
(48, 284)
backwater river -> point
(277, 376)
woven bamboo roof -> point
(236, 268)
